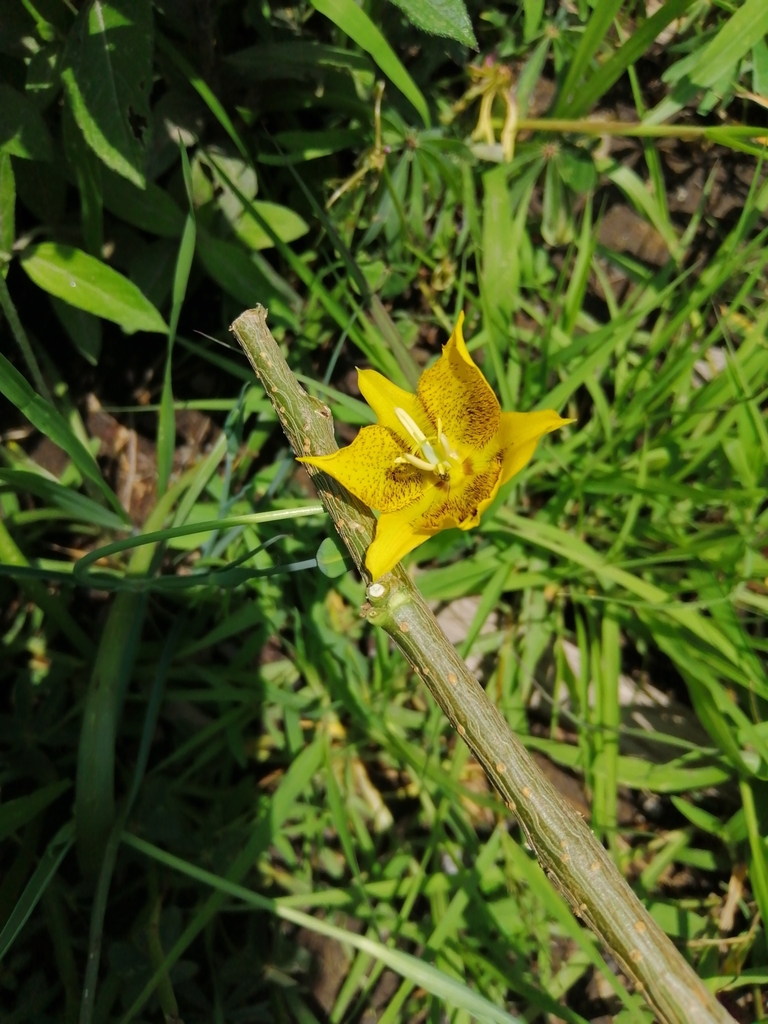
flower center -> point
(436, 455)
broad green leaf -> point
(287, 225)
(85, 282)
(354, 22)
(51, 423)
(440, 18)
(107, 74)
(149, 209)
(84, 329)
(22, 130)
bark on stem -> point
(574, 860)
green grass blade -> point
(354, 22)
(55, 853)
(636, 45)
(205, 92)
(14, 814)
(743, 30)
(166, 427)
(595, 32)
(42, 415)
(76, 505)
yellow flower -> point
(435, 459)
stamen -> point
(414, 460)
(432, 462)
(411, 426)
(429, 453)
(446, 445)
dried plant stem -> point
(566, 848)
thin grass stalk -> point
(576, 863)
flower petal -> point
(384, 397)
(460, 502)
(455, 392)
(519, 433)
(395, 537)
(367, 469)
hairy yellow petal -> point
(395, 537)
(367, 468)
(384, 397)
(520, 432)
(455, 392)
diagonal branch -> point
(576, 863)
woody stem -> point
(576, 863)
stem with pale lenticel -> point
(576, 863)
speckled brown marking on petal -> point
(367, 468)
(462, 500)
(455, 392)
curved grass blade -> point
(354, 22)
(76, 505)
(57, 850)
(49, 421)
